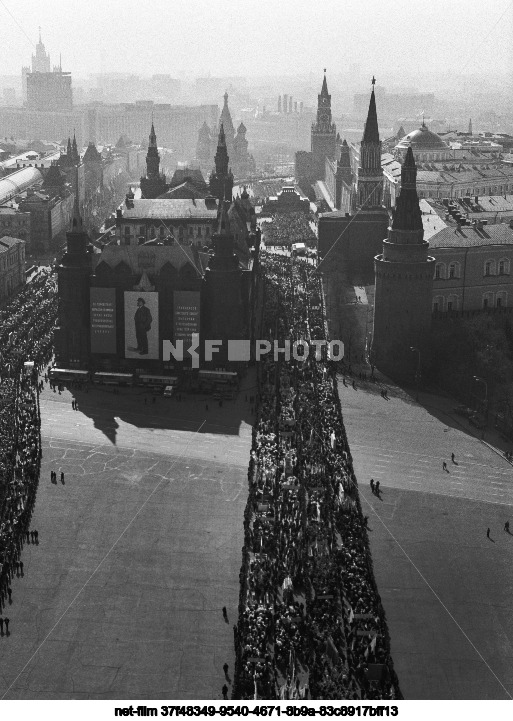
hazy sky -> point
(253, 37)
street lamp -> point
(485, 402)
(417, 372)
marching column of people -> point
(26, 333)
(311, 623)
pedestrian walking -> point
(225, 614)
(488, 533)
(7, 622)
(225, 669)
(452, 458)
(9, 593)
(372, 484)
(2, 626)
(27, 533)
(36, 535)
(21, 567)
(444, 466)
(354, 385)
(32, 536)
(377, 488)
(62, 477)
(506, 526)
(225, 692)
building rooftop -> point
(162, 208)
(6, 242)
(422, 139)
(15, 183)
(431, 221)
(153, 257)
(471, 236)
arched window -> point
(504, 266)
(489, 267)
(501, 299)
(487, 300)
(438, 304)
(452, 302)
(454, 270)
(439, 271)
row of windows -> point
(6, 262)
(193, 231)
(452, 302)
(18, 221)
(490, 267)
(468, 192)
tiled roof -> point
(170, 208)
(471, 236)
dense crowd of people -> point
(26, 335)
(289, 228)
(311, 623)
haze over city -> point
(292, 37)
(256, 358)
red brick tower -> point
(404, 284)
(324, 133)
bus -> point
(114, 379)
(151, 381)
(67, 374)
(211, 379)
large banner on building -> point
(103, 320)
(186, 316)
(141, 325)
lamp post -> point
(417, 372)
(485, 402)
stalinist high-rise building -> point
(40, 64)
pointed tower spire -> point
(407, 215)
(76, 222)
(370, 172)
(324, 90)
(154, 184)
(470, 127)
(74, 148)
(40, 33)
(371, 133)
(221, 180)
(152, 136)
(69, 150)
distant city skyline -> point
(242, 37)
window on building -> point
(489, 267)
(452, 302)
(488, 300)
(454, 270)
(439, 271)
(501, 299)
(141, 230)
(438, 304)
(503, 266)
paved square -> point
(446, 588)
(138, 551)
